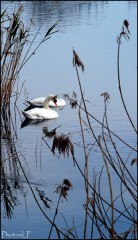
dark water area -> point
(91, 29)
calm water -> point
(91, 28)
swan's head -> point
(53, 98)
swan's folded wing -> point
(32, 115)
(37, 102)
(40, 113)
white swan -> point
(42, 113)
(38, 102)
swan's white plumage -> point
(42, 113)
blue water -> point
(91, 28)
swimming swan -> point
(38, 102)
(42, 113)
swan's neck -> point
(46, 106)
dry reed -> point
(99, 211)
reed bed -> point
(13, 39)
(15, 36)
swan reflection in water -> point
(37, 123)
(52, 107)
(43, 124)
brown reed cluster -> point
(63, 145)
(106, 96)
(64, 188)
(73, 101)
(125, 32)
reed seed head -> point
(76, 61)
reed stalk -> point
(124, 33)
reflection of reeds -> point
(43, 198)
(14, 37)
(9, 167)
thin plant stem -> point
(119, 83)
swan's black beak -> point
(55, 100)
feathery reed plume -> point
(73, 104)
(134, 160)
(124, 33)
(73, 100)
(63, 188)
(77, 61)
(126, 24)
(106, 96)
(63, 145)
